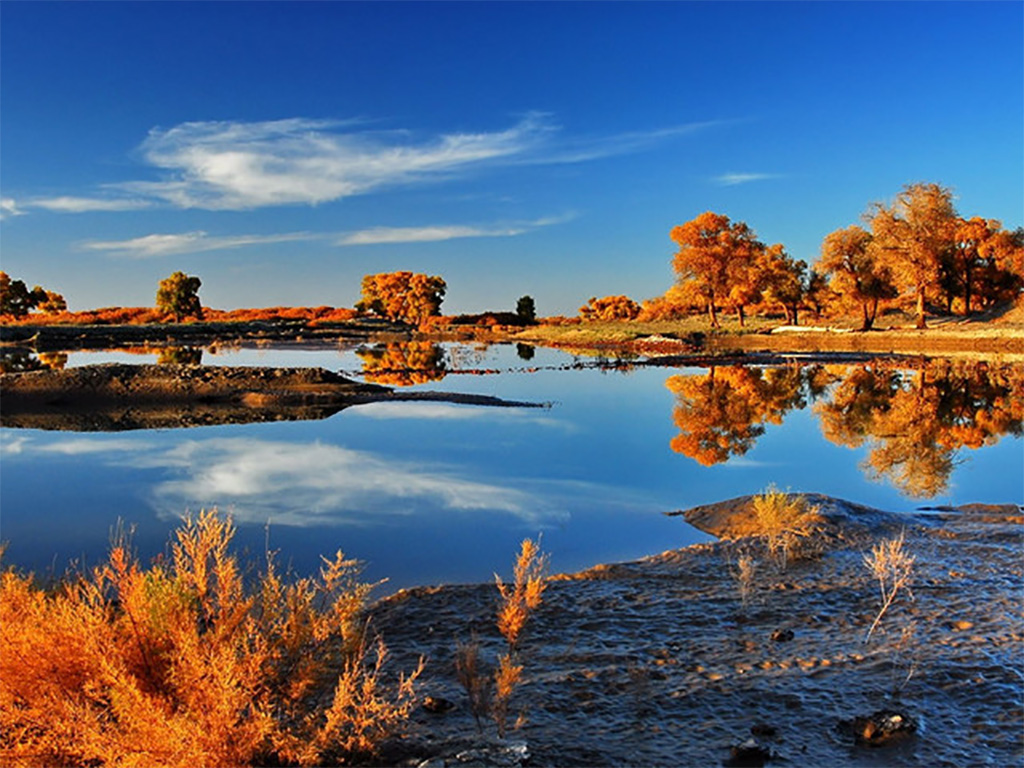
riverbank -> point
(662, 662)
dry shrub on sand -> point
(518, 600)
(786, 523)
(893, 569)
(182, 664)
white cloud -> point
(240, 166)
(732, 179)
(156, 245)
(9, 207)
(88, 204)
(84, 445)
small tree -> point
(403, 296)
(610, 308)
(178, 295)
(15, 299)
(526, 309)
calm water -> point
(428, 492)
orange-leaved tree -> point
(781, 280)
(856, 272)
(402, 296)
(178, 295)
(913, 232)
(610, 308)
(716, 255)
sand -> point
(660, 663)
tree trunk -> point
(739, 315)
(920, 308)
(712, 314)
(967, 291)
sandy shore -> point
(660, 663)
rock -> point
(437, 705)
(764, 731)
(883, 727)
(782, 635)
(749, 754)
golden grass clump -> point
(181, 664)
(784, 521)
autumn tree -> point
(856, 271)
(913, 232)
(715, 256)
(15, 299)
(781, 280)
(610, 308)
(178, 295)
(526, 309)
(402, 296)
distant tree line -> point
(916, 250)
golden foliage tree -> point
(406, 297)
(857, 274)
(716, 256)
(610, 308)
(781, 279)
(913, 233)
(178, 295)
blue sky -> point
(281, 151)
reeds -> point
(182, 664)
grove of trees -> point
(916, 251)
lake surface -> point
(428, 493)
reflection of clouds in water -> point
(304, 484)
(13, 447)
(415, 410)
(85, 445)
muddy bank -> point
(52, 338)
(117, 397)
(661, 662)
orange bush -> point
(180, 664)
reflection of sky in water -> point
(430, 492)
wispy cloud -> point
(9, 207)
(156, 245)
(732, 179)
(240, 166)
(436, 233)
(88, 204)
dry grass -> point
(489, 694)
(181, 664)
(746, 578)
(893, 569)
(785, 522)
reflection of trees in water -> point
(179, 356)
(721, 414)
(912, 420)
(915, 421)
(20, 360)
(403, 363)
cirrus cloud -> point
(225, 165)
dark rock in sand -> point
(749, 754)
(437, 705)
(782, 635)
(882, 727)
